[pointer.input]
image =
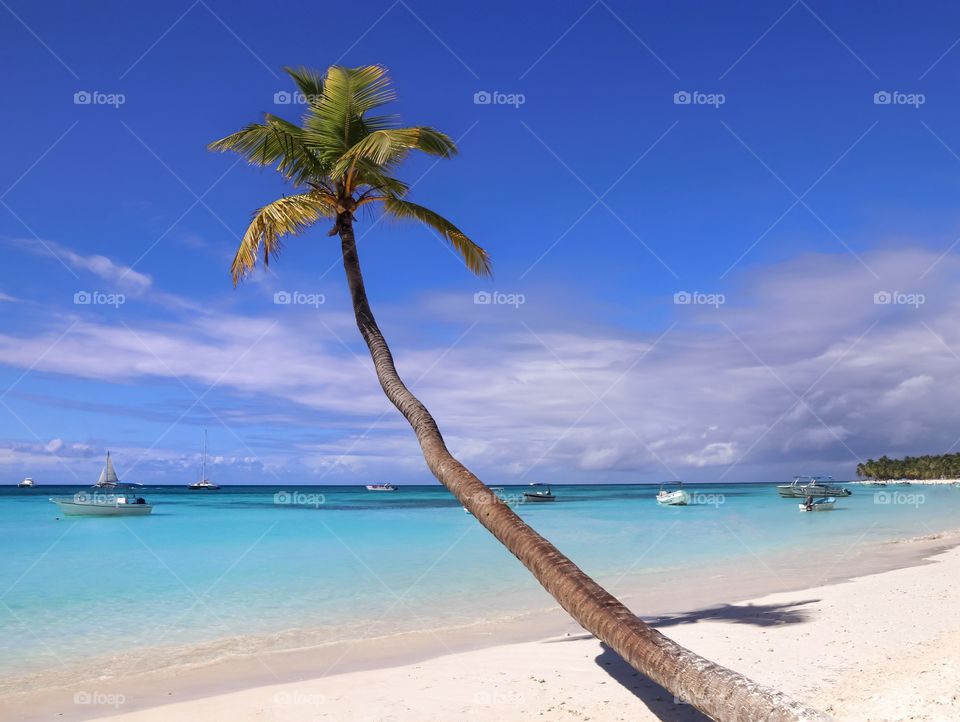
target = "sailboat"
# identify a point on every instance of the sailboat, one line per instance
(204, 484)
(115, 501)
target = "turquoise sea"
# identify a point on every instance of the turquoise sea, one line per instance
(296, 565)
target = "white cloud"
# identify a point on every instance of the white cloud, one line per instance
(719, 395)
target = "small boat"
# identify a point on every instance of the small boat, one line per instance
(381, 487)
(108, 497)
(678, 497)
(816, 486)
(874, 483)
(204, 484)
(542, 494)
(26, 483)
(811, 504)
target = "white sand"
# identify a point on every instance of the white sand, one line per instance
(881, 647)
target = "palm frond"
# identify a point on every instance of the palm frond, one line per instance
(336, 123)
(290, 215)
(476, 259)
(384, 146)
(275, 142)
(309, 81)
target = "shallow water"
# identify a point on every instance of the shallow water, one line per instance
(337, 563)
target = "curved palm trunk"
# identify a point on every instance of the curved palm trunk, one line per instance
(716, 691)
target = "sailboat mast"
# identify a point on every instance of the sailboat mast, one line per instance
(203, 464)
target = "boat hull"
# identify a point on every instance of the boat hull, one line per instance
(72, 508)
(673, 498)
(538, 497)
(789, 491)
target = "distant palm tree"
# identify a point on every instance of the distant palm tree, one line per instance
(344, 157)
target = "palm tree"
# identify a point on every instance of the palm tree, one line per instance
(343, 157)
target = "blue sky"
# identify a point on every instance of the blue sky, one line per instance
(783, 197)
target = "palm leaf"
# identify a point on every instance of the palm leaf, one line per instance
(290, 215)
(391, 145)
(276, 142)
(476, 259)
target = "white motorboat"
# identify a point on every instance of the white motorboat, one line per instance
(108, 497)
(816, 486)
(543, 493)
(26, 483)
(811, 504)
(678, 497)
(381, 487)
(204, 484)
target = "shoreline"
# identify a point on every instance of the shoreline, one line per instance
(239, 674)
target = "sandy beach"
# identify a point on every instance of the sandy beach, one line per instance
(883, 646)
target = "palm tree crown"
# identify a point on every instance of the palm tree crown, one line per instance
(343, 156)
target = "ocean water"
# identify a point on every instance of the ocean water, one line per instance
(302, 565)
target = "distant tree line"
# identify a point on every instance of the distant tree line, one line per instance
(943, 466)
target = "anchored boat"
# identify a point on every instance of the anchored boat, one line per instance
(544, 493)
(26, 483)
(816, 486)
(677, 497)
(108, 497)
(204, 484)
(811, 504)
(381, 487)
